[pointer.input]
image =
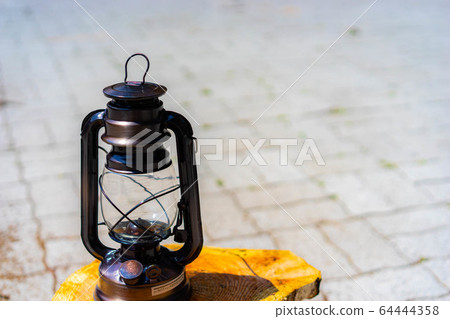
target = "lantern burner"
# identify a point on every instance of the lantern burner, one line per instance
(142, 230)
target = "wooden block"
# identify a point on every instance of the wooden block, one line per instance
(224, 274)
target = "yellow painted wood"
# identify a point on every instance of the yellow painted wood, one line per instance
(224, 274)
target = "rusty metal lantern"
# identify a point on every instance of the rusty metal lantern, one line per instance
(141, 198)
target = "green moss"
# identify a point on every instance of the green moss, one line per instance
(321, 183)
(353, 31)
(421, 161)
(304, 91)
(206, 126)
(271, 96)
(189, 75)
(302, 134)
(334, 197)
(422, 259)
(186, 103)
(387, 164)
(392, 93)
(168, 57)
(283, 118)
(118, 66)
(230, 74)
(337, 110)
(206, 91)
(76, 51)
(261, 81)
(219, 182)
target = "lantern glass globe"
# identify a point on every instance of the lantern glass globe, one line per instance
(139, 207)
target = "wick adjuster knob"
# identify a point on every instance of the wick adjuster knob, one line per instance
(153, 272)
(131, 271)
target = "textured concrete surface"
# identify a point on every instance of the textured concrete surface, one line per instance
(375, 219)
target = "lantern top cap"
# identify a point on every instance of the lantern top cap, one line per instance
(134, 90)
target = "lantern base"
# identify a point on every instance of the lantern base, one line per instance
(144, 294)
(171, 284)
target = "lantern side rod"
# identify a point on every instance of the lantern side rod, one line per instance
(188, 187)
(90, 128)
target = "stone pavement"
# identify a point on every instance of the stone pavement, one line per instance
(375, 219)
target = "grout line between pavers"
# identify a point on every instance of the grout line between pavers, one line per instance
(402, 210)
(402, 174)
(245, 236)
(296, 202)
(379, 270)
(39, 239)
(19, 277)
(447, 294)
(433, 181)
(419, 232)
(349, 219)
(436, 276)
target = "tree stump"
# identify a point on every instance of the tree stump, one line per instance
(224, 274)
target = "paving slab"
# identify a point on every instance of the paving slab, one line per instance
(374, 252)
(224, 219)
(390, 284)
(311, 244)
(286, 192)
(55, 195)
(36, 287)
(272, 218)
(64, 252)
(426, 244)
(411, 221)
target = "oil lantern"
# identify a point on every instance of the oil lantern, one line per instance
(142, 197)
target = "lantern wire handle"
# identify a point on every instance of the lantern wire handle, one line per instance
(146, 70)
